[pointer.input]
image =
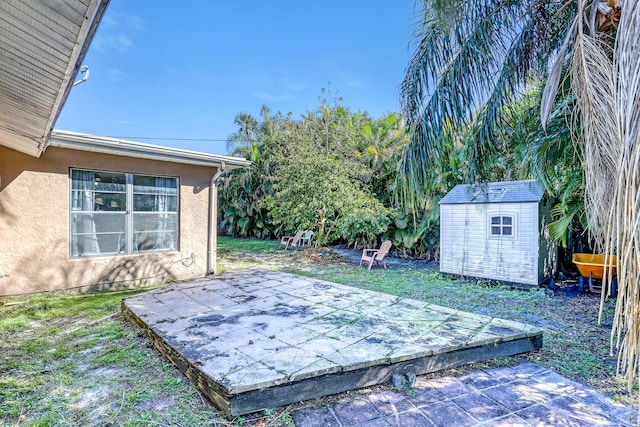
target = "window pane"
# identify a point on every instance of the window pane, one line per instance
(506, 231)
(82, 200)
(152, 241)
(110, 201)
(83, 244)
(97, 233)
(155, 203)
(506, 220)
(495, 230)
(94, 201)
(154, 185)
(155, 221)
(106, 181)
(82, 180)
(143, 202)
(97, 191)
(495, 220)
(109, 222)
(153, 231)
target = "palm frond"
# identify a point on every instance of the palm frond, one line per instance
(433, 89)
(560, 227)
(467, 68)
(553, 80)
(521, 61)
(593, 84)
(623, 228)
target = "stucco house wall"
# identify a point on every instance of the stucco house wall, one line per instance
(35, 221)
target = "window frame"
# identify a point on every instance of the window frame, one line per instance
(501, 225)
(128, 245)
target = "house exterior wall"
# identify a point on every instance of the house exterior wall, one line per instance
(35, 234)
(468, 249)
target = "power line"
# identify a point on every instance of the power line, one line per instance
(179, 139)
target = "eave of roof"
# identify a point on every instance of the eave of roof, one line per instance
(495, 192)
(119, 147)
(42, 44)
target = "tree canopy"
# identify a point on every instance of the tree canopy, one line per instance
(475, 57)
(330, 171)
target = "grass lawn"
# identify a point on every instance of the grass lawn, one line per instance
(73, 360)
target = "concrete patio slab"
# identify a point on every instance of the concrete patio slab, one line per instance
(256, 339)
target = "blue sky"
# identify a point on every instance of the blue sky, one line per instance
(168, 69)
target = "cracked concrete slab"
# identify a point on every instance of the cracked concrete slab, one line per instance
(255, 339)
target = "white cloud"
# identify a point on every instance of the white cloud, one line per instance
(349, 80)
(108, 22)
(118, 42)
(134, 23)
(117, 32)
(129, 22)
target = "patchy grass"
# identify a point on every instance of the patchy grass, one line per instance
(69, 360)
(73, 360)
(229, 245)
(234, 254)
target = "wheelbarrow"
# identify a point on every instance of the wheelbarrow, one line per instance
(592, 266)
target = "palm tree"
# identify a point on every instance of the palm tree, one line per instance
(473, 57)
(241, 140)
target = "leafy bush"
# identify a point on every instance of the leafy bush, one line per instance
(331, 171)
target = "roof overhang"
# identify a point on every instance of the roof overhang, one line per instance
(119, 147)
(42, 46)
(525, 191)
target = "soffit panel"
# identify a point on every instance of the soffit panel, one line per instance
(41, 45)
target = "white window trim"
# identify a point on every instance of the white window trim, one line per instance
(514, 224)
(128, 226)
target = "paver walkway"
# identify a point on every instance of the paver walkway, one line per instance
(524, 395)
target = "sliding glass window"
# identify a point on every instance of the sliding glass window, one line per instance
(120, 213)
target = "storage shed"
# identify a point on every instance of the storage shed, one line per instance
(497, 231)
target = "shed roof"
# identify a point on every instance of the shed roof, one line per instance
(121, 147)
(495, 192)
(42, 45)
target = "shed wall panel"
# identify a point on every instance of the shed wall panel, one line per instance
(468, 248)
